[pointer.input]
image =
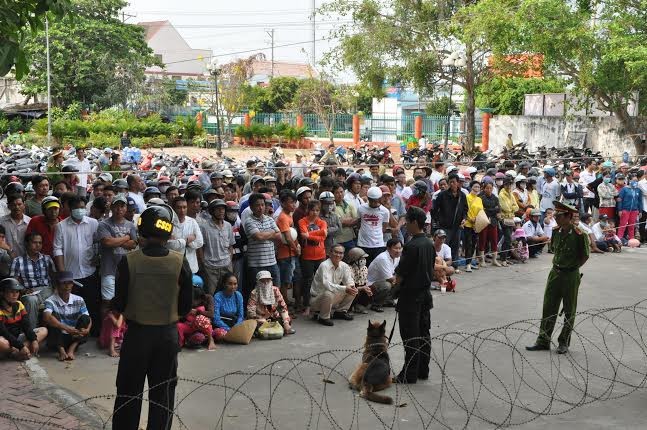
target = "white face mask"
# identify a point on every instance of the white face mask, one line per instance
(522, 186)
(499, 183)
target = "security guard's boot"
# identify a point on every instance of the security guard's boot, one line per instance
(538, 347)
(562, 349)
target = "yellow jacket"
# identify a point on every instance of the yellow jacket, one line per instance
(474, 206)
(508, 204)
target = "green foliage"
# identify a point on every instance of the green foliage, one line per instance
(439, 106)
(506, 95)
(600, 49)
(97, 59)
(188, 127)
(73, 111)
(267, 132)
(18, 20)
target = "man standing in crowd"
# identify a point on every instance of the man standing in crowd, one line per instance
(136, 187)
(450, 211)
(586, 177)
(83, 168)
(374, 220)
(74, 252)
(333, 289)
(214, 257)
(261, 231)
(153, 288)
(41, 189)
(15, 225)
(550, 191)
(116, 236)
(45, 224)
(413, 277)
(288, 249)
(571, 250)
(347, 214)
(187, 237)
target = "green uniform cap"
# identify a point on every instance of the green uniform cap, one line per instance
(564, 208)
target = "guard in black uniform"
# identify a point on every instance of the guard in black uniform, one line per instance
(413, 279)
(153, 287)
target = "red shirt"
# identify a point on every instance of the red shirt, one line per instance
(38, 224)
(314, 247)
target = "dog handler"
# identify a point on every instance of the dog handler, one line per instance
(153, 286)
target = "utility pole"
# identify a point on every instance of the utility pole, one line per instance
(271, 34)
(314, 33)
(125, 16)
(49, 86)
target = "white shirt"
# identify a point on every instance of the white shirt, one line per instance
(642, 185)
(585, 179)
(82, 166)
(298, 169)
(329, 278)
(532, 230)
(353, 199)
(422, 143)
(406, 193)
(371, 222)
(76, 243)
(139, 199)
(585, 228)
(15, 233)
(382, 268)
(445, 252)
(436, 176)
(181, 231)
(597, 231)
(548, 228)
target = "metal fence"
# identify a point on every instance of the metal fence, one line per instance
(378, 128)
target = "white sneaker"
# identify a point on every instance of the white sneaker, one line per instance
(468, 268)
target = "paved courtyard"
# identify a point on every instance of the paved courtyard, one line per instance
(481, 375)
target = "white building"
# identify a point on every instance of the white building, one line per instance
(180, 60)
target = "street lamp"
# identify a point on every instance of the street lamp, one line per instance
(453, 62)
(213, 69)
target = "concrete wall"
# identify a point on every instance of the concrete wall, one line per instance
(602, 134)
(180, 59)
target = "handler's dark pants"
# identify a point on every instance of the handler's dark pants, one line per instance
(91, 294)
(562, 286)
(415, 327)
(147, 352)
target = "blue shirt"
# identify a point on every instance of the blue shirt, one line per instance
(227, 305)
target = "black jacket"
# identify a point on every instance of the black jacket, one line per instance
(416, 270)
(450, 210)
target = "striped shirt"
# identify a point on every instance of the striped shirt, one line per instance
(260, 253)
(68, 312)
(33, 273)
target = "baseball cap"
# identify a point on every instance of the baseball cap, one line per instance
(67, 276)
(263, 274)
(440, 233)
(298, 154)
(120, 198)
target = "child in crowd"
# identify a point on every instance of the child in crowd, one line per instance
(519, 242)
(113, 330)
(549, 225)
(611, 238)
(194, 330)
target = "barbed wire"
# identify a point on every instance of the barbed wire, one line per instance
(483, 379)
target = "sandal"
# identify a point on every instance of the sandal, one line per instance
(291, 331)
(377, 308)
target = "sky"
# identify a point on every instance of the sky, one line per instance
(227, 27)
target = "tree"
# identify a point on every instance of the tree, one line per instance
(440, 106)
(320, 97)
(96, 60)
(404, 42)
(600, 48)
(18, 19)
(505, 95)
(232, 80)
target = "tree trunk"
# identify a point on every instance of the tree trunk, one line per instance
(631, 129)
(470, 108)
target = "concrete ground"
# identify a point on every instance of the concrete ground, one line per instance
(481, 375)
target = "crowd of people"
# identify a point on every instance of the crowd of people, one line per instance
(279, 244)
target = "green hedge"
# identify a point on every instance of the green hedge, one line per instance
(261, 131)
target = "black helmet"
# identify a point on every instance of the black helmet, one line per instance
(306, 182)
(14, 188)
(155, 221)
(10, 284)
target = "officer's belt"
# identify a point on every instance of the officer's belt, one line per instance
(565, 269)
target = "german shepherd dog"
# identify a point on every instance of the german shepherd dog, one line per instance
(374, 372)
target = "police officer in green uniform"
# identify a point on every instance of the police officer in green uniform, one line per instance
(571, 250)
(153, 288)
